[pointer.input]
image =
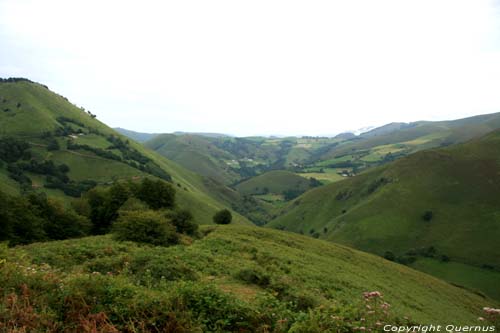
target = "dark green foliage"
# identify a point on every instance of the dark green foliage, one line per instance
(64, 120)
(444, 258)
(254, 276)
(406, 259)
(46, 167)
(34, 218)
(104, 206)
(223, 216)
(292, 194)
(71, 188)
(183, 221)
(14, 79)
(59, 222)
(16, 173)
(313, 182)
(343, 195)
(156, 193)
(53, 145)
(19, 223)
(155, 170)
(98, 151)
(427, 216)
(389, 256)
(12, 150)
(145, 227)
(373, 186)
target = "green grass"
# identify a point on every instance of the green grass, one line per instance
(462, 275)
(459, 184)
(264, 275)
(327, 177)
(274, 181)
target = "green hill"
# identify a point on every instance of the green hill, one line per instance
(440, 204)
(137, 136)
(58, 133)
(275, 182)
(245, 279)
(197, 153)
(400, 139)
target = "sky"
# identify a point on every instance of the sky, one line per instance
(259, 67)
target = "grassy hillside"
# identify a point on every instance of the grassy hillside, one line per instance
(275, 182)
(137, 136)
(440, 203)
(196, 153)
(405, 138)
(61, 133)
(233, 279)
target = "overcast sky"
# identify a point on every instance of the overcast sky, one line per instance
(259, 67)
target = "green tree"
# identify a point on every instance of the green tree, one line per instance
(104, 206)
(223, 216)
(156, 193)
(59, 222)
(53, 145)
(145, 227)
(183, 221)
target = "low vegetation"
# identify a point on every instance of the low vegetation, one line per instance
(234, 278)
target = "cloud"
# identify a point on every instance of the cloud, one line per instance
(259, 67)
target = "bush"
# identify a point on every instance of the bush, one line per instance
(156, 193)
(223, 216)
(427, 216)
(104, 206)
(183, 221)
(389, 256)
(254, 276)
(53, 145)
(145, 227)
(59, 222)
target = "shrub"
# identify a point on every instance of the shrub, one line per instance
(389, 256)
(145, 227)
(254, 276)
(156, 193)
(53, 145)
(183, 221)
(444, 258)
(223, 216)
(427, 216)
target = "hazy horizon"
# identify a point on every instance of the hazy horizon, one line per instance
(282, 68)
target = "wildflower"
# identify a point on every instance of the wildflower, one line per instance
(372, 294)
(385, 306)
(480, 319)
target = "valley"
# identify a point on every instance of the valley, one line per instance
(119, 225)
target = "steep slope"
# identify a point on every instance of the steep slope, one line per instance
(197, 153)
(57, 132)
(440, 203)
(233, 279)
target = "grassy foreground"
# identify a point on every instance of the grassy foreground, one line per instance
(233, 278)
